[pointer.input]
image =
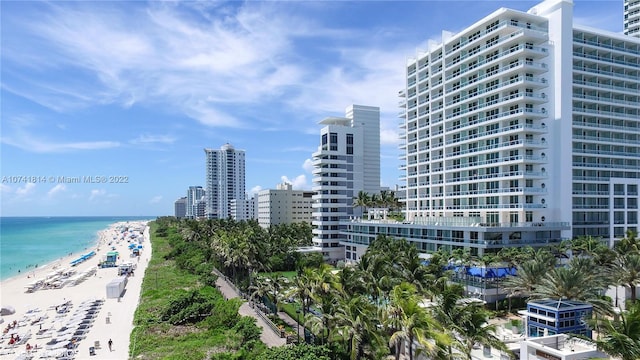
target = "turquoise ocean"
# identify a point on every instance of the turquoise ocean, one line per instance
(27, 243)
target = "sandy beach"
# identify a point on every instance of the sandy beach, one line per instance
(72, 305)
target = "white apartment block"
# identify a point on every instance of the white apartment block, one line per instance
(225, 180)
(632, 17)
(522, 129)
(284, 206)
(194, 195)
(242, 209)
(346, 162)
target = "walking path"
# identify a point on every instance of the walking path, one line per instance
(268, 336)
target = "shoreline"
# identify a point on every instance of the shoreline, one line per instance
(65, 259)
(36, 313)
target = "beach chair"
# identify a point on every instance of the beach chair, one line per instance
(96, 344)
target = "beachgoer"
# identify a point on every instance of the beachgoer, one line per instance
(110, 342)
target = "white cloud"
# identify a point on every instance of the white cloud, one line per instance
(156, 199)
(97, 193)
(160, 54)
(56, 189)
(254, 190)
(153, 139)
(27, 189)
(5, 189)
(22, 139)
(389, 137)
(206, 61)
(308, 166)
(298, 183)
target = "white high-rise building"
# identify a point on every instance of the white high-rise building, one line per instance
(225, 180)
(347, 161)
(632, 17)
(522, 129)
(284, 205)
(194, 194)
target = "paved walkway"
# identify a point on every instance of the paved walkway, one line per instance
(268, 336)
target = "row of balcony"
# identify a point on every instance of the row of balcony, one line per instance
(604, 166)
(606, 99)
(608, 113)
(603, 139)
(604, 72)
(602, 125)
(607, 46)
(605, 59)
(632, 89)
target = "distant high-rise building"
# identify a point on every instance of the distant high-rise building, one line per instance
(632, 17)
(225, 180)
(194, 195)
(284, 205)
(347, 162)
(180, 207)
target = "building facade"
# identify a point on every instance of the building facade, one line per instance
(632, 17)
(180, 208)
(195, 194)
(242, 209)
(521, 129)
(347, 161)
(284, 205)
(225, 180)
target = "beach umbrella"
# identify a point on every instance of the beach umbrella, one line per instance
(7, 310)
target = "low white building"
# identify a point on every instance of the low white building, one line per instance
(284, 206)
(559, 347)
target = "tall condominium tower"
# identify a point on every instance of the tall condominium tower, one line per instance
(347, 161)
(522, 129)
(194, 194)
(632, 17)
(225, 180)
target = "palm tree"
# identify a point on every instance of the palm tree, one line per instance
(362, 200)
(622, 337)
(466, 322)
(580, 281)
(353, 320)
(413, 322)
(472, 328)
(325, 291)
(530, 273)
(626, 269)
(629, 243)
(303, 289)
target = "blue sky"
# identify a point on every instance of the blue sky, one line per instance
(136, 90)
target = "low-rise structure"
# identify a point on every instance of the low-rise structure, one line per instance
(284, 205)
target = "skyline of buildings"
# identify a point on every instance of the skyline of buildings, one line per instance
(521, 129)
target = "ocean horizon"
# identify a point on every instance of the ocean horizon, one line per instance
(29, 243)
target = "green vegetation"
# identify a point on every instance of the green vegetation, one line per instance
(366, 311)
(180, 316)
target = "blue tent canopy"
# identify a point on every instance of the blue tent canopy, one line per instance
(498, 272)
